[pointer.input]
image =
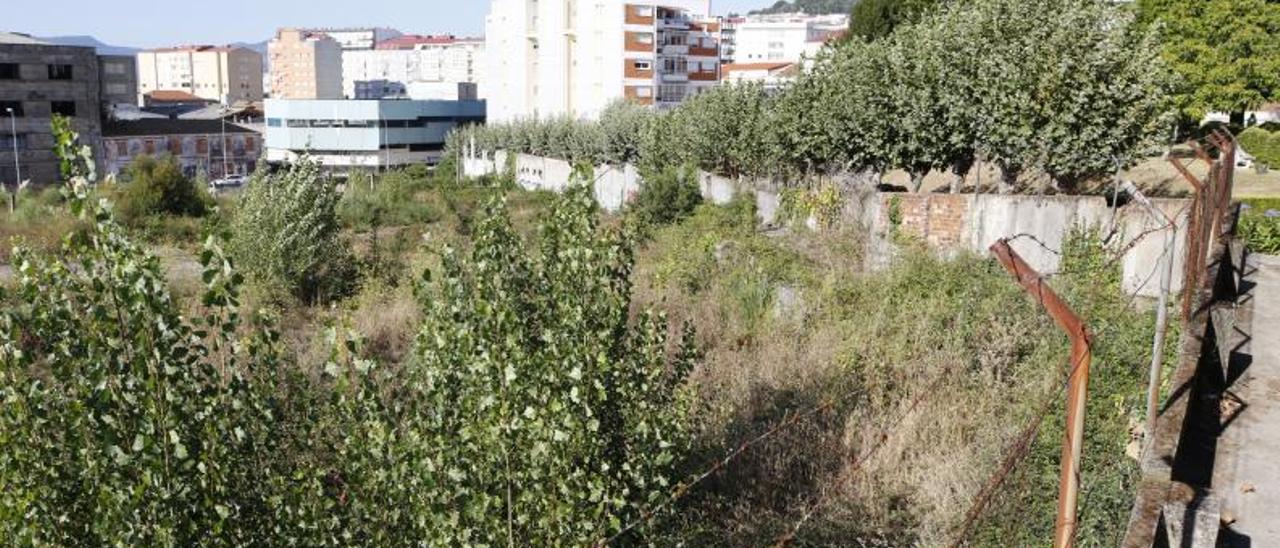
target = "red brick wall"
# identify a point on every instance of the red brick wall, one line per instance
(937, 219)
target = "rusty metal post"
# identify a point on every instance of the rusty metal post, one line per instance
(1077, 387)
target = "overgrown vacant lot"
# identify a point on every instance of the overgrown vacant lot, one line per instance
(879, 402)
(928, 372)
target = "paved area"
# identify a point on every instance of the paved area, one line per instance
(1247, 475)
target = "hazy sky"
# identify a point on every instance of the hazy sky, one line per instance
(151, 23)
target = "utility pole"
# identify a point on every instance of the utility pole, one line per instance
(17, 166)
(1162, 309)
(222, 111)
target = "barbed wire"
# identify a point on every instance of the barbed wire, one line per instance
(683, 488)
(885, 434)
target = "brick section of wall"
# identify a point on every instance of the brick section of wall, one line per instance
(635, 18)
(937, 219)
(634, 43)
(630, 70)
(632, 94)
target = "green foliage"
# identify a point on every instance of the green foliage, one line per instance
(143, 428)
(549, 418)
(720, 129)
(1225, 52)
(812, 7)
(156, 186)
(1263, 145)
(1120, 340)
(1259, 225)
(286, 234)
(666, 197)
(622, 124)
(393, 200)
(875, 19)
(74, 159)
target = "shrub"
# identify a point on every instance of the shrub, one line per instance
(286, 235)
(156, 186)
(394, 200)
(142, 428)
(1260, 225)
(666, 197)
(1263, 145)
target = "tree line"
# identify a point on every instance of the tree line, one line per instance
(1072, 89)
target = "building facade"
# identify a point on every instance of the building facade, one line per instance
(223, 74)
(211, 147)
(118, 82)
(409, 59)
(574, 57)
(38, 80)
(350, 134)
(305, 65)
(357, 38)
(779, 38)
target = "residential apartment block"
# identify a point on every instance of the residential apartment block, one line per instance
(574, 57)
(305, 65)
(357, 38)
(396, 65)
(38, 80)
(779, 38)
(349, 134)
(118, 81)
(223, 74)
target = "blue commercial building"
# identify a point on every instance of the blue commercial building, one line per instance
(378, 134)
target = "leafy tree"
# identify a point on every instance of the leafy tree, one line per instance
(1224, 51)
(143, 428)
(548, 416)
(155, 186)
(286, 234)
(875, 19)
(812, 7)
(723, 127)
(622, 124)
(666, 197)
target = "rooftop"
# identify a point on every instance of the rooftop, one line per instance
(164, 126)
(191, 47)
(742, 67)
(175, 96)
(408, 41)
(20, 38)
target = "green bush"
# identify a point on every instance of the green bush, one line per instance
(395, 199)
(286, 235)
(666, 197)
(1263, 145)
(1259, 229)
(157, 186)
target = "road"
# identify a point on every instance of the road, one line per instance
(1247, 474)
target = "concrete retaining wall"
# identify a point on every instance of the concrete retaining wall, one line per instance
(1037, 225)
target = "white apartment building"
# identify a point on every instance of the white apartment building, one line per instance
(407, 60)
(305, 65)
(573, 57)
(357, 38)
(780, 37)
(223, 74)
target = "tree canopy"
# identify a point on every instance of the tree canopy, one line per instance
(873, 19)
(812, 7)
(1226, 53)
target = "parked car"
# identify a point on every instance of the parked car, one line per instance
(230, 181)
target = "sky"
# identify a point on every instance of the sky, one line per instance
(152, 23)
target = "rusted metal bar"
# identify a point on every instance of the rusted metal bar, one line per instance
(1186, 174)
(1077, 386)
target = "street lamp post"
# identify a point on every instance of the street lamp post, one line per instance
(222, 111)
(17, 167)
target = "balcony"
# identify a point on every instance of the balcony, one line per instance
(677, 77)
(674, 49)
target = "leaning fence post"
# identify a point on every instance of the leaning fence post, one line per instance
(1077, 387)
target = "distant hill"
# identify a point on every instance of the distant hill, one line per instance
(811, 7)
(89, 41)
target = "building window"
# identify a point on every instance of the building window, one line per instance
(10, 71)
(274, 122)
(59, 72)
(122, 148)
(644, 65)
(7, 142)
(65, 108)
(644, 38)
(15, 106)
(644, 11)
(117, 89)
(644, 92)
(113, 68)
